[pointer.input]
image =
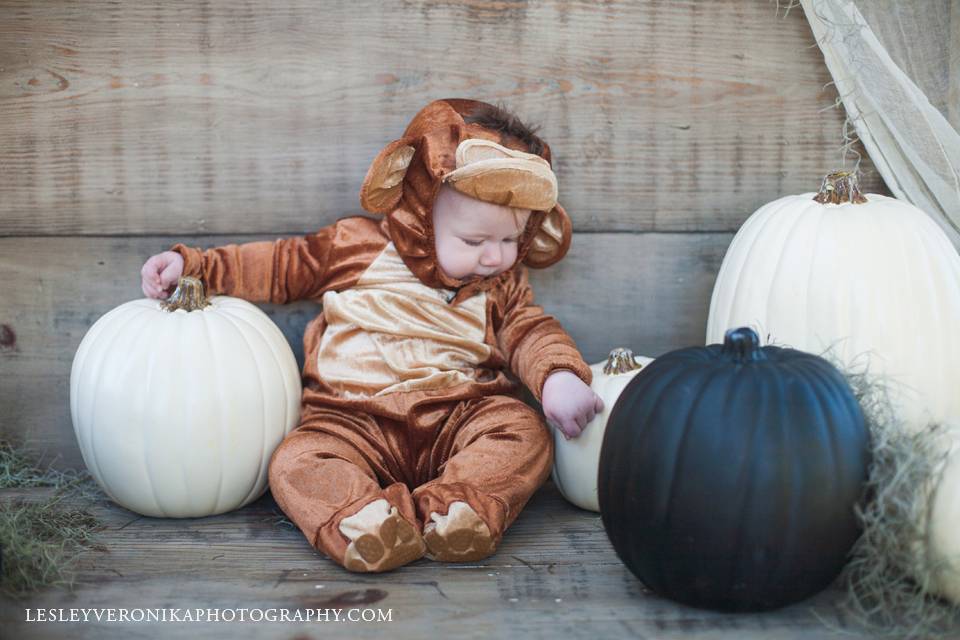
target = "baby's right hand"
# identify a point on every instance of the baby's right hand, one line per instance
(160, 273)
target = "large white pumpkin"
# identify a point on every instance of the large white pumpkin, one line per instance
(177, 412)
(872, 278)
(577, 461)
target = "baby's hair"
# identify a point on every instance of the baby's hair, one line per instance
(499, 118)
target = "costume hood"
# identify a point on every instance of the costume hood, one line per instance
(441, 146)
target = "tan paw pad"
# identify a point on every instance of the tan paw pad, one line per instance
(459, 536)
(380, 539)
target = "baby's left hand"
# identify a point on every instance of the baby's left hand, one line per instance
(569, 403)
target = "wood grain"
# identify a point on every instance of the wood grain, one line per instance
(554, 575)
(186, 117)
(127, 126)
(654, 297)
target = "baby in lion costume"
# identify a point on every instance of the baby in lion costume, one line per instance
(412, 438)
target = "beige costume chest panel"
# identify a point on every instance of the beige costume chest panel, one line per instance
(391, 333)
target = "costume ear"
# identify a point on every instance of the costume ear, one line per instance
(383, 185)
(551, 241)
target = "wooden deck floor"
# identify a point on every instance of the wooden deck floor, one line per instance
(554, 576)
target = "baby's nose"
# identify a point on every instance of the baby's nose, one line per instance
(491, 255)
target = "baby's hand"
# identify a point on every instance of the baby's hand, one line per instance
(160, 273)
(569, 403)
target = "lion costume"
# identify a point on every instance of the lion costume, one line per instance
(412, 438)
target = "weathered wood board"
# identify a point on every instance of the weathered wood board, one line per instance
(191, 117)
(554, 576)
(128, 126)
(54, 301)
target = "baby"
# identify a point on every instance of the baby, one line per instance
(412, 439)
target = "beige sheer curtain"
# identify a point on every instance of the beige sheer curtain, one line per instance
(896, 66)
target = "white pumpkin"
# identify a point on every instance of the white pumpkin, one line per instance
(872, 278)
(943, 519)
(576, 461)
(178, 411)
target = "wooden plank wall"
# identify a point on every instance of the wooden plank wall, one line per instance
(126, 126)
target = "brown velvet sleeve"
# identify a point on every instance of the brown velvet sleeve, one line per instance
(286, 269)
(534, 343)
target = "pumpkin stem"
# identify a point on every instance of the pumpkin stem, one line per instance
(840, 187)
(620, 361)
(188, 296)
(742, 345)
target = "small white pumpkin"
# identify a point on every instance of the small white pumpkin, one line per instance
(943, 519)
(909, 548)
(177, 406)
(868, 277)
(576, 461)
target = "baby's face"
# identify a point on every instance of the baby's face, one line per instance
(473, 237)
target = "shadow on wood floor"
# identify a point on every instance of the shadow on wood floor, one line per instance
(555, 575)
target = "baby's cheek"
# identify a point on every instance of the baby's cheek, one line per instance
(510, 254)
(451, 259)
(460, 263)
(466, 265)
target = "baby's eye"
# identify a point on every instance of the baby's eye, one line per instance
(509, 239)
(473, 243)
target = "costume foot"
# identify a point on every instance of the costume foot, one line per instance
(380, 539)
(459, 536)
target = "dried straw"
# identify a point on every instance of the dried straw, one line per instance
(889, 577)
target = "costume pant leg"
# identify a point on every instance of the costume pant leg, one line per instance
(493, 454)
(330, 467)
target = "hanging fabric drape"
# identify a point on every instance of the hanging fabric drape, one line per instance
(896, 66)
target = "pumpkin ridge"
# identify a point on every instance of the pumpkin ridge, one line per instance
(749, 469)
(937, 269)
(78, 364)
(151, 358)
(231, 318)
(814, 393)
(659, 399)
(778, 396)
(813, 253)
(642, 435)
(906, 322)
(816, 371)
(786, 486)
(932, 272)
(723, 316)
(801, 218)
(706, 377)
(752, 256)
(616, 518)
(224, 433)
(836, 431)
(246, 310)
(833, 427)
(99, 380)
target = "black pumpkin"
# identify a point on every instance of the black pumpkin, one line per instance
(729, 473)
